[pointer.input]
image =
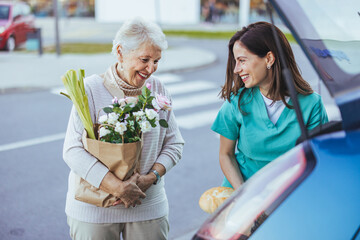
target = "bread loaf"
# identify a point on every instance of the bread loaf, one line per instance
(211, 199)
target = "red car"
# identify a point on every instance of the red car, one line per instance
(16, 21)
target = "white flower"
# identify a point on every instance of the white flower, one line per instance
(121, 102)
(113, 118)
(103, 118)
(131, 100)
(139, 113)
(145, 126)
(104, 132)
(150, 113)
(120, 128)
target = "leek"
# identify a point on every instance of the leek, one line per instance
(76, 93)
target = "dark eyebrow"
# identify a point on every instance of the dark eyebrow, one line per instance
(241, 57)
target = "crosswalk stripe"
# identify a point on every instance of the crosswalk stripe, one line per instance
(198, 119)
(196, 100)
(32, 142)
(169, 78)
(187, 87)
(166, 78)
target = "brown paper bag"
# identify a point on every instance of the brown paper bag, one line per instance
(121, 159)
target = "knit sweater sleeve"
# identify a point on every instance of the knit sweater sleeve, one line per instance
(172, 148)
(76, 157)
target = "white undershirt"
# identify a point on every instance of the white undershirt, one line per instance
(274, 110)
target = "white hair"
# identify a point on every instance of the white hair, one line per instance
(137, 31)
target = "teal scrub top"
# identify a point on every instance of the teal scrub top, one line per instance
(259, 141)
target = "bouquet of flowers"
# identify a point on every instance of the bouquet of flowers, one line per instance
(126, 119)
(116, 139)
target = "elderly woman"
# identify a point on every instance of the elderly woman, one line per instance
(142, 209)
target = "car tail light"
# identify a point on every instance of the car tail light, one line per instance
(250, 205)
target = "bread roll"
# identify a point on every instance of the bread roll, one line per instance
(211, 199)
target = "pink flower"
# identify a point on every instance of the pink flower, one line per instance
(161, 102)
(115, 100)
(148, 85)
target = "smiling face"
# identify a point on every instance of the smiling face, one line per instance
(139, 64)
(251, 68)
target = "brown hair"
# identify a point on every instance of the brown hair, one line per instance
(258, 39)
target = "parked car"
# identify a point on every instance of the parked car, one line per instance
(16, 21)
(312, 191)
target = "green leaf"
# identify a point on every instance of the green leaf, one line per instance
(147, 91)
(163, 123)
(107, 109)
(117, 110)
(127, 109)
(152, 123)
(142, 98)
(143, 91)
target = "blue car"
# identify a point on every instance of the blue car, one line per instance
(312, 191)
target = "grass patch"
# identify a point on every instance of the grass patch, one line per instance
(81, 48)
(200, 34)
(211, 35)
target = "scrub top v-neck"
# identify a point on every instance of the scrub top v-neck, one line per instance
(259, 140)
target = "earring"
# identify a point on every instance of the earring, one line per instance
(268, 67)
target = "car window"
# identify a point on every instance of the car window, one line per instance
(341, 40)
(330, 37)
(4, 12)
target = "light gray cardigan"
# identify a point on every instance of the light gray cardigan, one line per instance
(161, 145)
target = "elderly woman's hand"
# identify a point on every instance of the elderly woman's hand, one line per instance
(127, 191)
(130, 192)
(144, 182)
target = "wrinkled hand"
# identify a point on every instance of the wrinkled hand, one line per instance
(130, 194)
(144, 182)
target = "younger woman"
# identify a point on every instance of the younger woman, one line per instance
(257, 122)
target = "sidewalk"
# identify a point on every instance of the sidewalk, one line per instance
(26, 71)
